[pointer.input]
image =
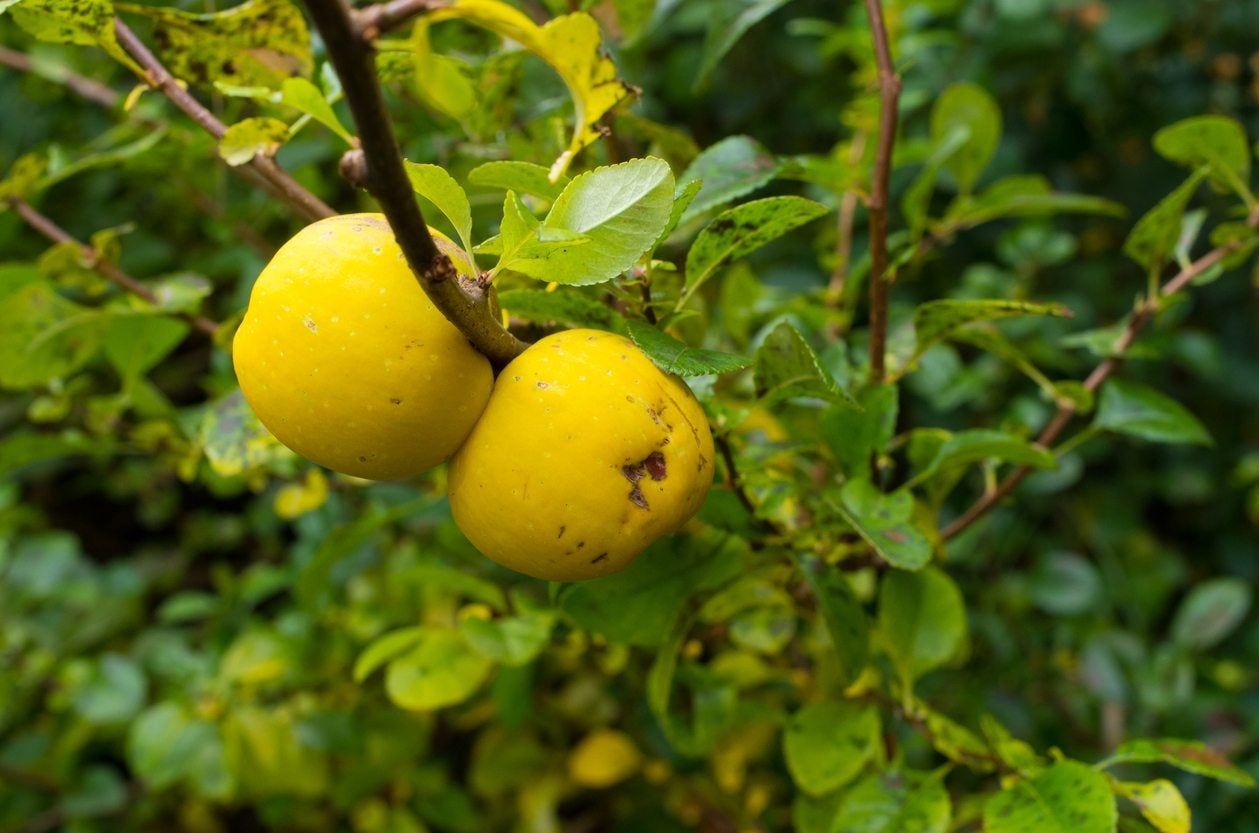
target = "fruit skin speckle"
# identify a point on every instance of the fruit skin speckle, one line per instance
(571, 472)
(346, 361)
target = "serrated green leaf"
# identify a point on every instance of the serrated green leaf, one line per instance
(1155, 236)
(846, 621)
(522, 177)
(735, 166)
(620, 209)
(730, 22)
(787, 367)
(44, 336)
(512, 640)
(134, 344)
(1131, 408)
(1069, 797)
(562, 306)
(440, 188)
(302, 95)
(936, 321)
(885, 522)
(1023, 195)
(966, 448)
(742, 230)
(385, 648)
(673, 356)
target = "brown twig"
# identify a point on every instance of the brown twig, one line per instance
(734, 480)
(57, 234)
(373, 21)
(377, 166)
(263, 170)
(889, 98)
(88, 88)
(1141, 317)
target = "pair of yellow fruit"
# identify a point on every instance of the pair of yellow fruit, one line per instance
(566, 467)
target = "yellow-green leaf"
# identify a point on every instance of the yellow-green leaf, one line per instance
(571, 45)
(1160, 802)
(252, 137)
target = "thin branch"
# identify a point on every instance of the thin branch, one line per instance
(734, 480)
(378, 168)
(57, 234)
(261, 169)
(88, 88)
(889, 98)
(843, 231)
(1141, 317)
(373, 21)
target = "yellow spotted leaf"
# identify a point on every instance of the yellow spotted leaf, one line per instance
(603, 758)
(1160, 802)
(570, 44)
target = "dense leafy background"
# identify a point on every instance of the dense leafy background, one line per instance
(185, 608)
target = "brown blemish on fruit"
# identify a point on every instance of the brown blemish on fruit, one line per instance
(562, 530)
(310, 324)
(542, 385)
(362, 459)
(600, 557)
(653, 466)
(395, 400)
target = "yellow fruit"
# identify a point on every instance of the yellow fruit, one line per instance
(586, 454)
(346, 361)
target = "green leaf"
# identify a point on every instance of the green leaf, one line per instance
(1024, 196)
(523, 245)
(98, 791)
(1155, 236)
(522, 177)
(672, 356)
(302, 95)
(134, 344)
(165, 744)
(60, 169)
(742, 230)
(787, 367)
(569, 44)
(43, 336)
(936, 321)
(1189, 755)
(252, 137)
(846, 620)
(854, 435)
(885, 522)
(1137, 410)
(385, 648)
(639, 605)
(440, 671)
(82, 22)
(1160, 802)
(971, 108)
(20, 449)
(731, 20)
(621, 210)
(440, 188)
(258, 43)
(512, 640)
(827, 744)
(966, 448)
(1218, 142)
(1211, 611)
(896, 801)
(114, 692)
(922, 621)
(1065, 584)
(269, 756)
(683, 196)
(567, 307)
(735, 166)
(917, 200)
(1068, 797)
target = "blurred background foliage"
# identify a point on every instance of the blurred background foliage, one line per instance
(183, 603)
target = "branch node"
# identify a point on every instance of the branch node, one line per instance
(353, 167)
